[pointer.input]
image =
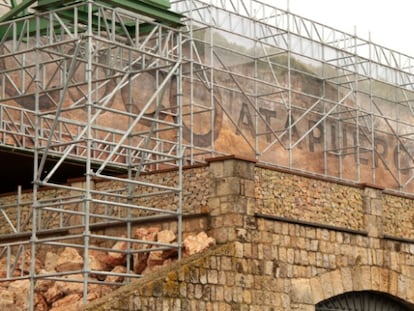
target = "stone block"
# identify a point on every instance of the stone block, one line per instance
(410, 291)
(248, 188)
(317, 290)
(214, 204)
(372, 225)
(337, 282)
(301, 291)
(376, 207)
(361, 275)
(212, 277)
(347, 281)
(227, 186)
(226, 263)
(403, 286)
(375, 278)
(327, 285)
(247, 297)
(239, 168)
(371, 193)
(217, 168)
(238, 250)
(384, 280)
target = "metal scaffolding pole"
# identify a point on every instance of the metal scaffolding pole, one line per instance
(77, 65)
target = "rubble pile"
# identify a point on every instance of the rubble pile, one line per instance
(108, 270)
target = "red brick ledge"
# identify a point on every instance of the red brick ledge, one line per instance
(230, 157)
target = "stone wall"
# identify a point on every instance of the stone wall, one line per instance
(284, 267)
(273, 192)
(195, 197)
(306, 198)
(276, 254)
(398, 215)
(286, 242)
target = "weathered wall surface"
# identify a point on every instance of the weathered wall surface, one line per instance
(286, 241)
(310, 199)
(195, 198)
(398, 216)
(285, 267)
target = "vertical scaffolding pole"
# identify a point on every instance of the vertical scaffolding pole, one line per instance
(88, 168)
(36, 172)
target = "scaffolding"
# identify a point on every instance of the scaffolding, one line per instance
(68, 79)
(293, 93)
(118, 89)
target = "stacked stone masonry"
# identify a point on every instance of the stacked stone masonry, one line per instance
(285, 267)
(195, 198)
(310, 199)
(290, 241)
(286, 241)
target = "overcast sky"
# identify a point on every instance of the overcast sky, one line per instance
(391, 23)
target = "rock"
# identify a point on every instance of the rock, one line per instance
(24, 263)
(69, 260)
(140, 262)
(166, 236)
(43, 285)
(53, 294)
(75, 286)
(40, 303)
(51, 261)
(7, 299)
(67, 295)
(67, 303)
(157, 257)
(140, 259)
(116, 278)
(21, 289)
(197, 244)
(96, 262)
(97, 290)
(116, 258)
(146, 234)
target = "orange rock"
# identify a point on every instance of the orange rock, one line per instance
(7, 299)
(158, 257)
(140, 259)
(146, 234)
(67, 303)
(166, 236)
(53, 294)
(116, 278)
(117, 258)
(51, 261)
(75, 286)
(197, 244)
(21, 289)
(24, 262)
(97, 290)
(40, 303)
(43, 285)
(69, 260)
(140, 262)
(97, 262)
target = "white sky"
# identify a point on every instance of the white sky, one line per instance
(391, 23)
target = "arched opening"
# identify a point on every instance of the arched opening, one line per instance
(363, 301)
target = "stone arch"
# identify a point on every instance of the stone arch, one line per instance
(363, 301)
(350, 279)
